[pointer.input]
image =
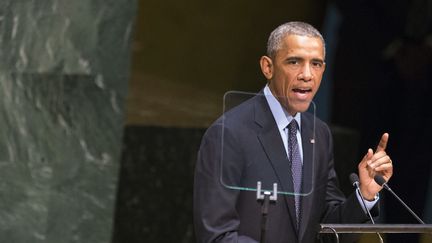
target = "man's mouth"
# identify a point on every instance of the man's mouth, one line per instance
(302, 90)
(302, 94)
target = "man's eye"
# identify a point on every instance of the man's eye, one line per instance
(317, 64)
(293, 62)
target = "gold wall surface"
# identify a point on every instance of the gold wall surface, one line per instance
(187, 54)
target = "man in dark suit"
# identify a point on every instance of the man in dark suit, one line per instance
(271, 138)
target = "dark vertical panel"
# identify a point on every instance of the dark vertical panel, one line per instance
(154, 201)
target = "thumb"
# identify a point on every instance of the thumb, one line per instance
(369, 154)
(367, 157)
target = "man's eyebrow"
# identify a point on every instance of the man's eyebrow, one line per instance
(317, 60)
(294, 58)
(297, 58)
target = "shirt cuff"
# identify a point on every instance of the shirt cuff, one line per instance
(369, 204)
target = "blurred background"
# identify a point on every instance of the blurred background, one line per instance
(103, 105)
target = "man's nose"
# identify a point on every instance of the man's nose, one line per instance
(306, 73)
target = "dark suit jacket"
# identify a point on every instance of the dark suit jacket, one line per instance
(244, 146)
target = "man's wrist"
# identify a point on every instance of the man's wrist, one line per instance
(374, 198)
(368, 196)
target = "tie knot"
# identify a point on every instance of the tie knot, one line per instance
(293, 126)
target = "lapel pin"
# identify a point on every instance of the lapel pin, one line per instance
(312, 140)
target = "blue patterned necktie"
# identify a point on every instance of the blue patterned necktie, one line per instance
(296, 165)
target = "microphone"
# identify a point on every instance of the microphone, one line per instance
(355, 182)
(382, 182)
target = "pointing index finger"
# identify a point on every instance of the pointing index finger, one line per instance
(382, 143)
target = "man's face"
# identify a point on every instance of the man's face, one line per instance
(295, 73)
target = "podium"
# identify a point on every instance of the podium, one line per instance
(337, 229)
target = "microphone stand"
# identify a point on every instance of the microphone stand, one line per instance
(402, 202)
(406, 206)
(355, 181)
(368, 212)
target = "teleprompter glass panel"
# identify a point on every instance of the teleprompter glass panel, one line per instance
(254, 148)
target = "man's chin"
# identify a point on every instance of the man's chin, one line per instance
(299, 107)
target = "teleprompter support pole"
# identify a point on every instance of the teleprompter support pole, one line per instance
(265, 197)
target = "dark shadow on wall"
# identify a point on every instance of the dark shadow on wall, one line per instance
(154, 201)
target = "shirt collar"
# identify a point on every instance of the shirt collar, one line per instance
(280, 114)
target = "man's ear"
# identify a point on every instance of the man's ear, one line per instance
(266, 67)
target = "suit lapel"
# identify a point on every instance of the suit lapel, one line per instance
(273, 146)
(308, 141)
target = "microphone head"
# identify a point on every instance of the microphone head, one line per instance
(379, 180)
(354, 178)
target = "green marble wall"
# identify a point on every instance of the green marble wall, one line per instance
(64, 68)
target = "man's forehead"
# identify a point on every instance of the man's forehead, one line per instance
(297, 42)
(288, 37)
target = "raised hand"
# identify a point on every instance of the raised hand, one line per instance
(373, 163)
